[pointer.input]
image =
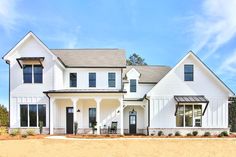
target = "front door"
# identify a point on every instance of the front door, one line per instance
(69, 120)
(132, 122)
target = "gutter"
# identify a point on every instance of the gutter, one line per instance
(9, 90)
(145, 97)
(49, 111)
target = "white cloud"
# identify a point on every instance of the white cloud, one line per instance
(229, 65)
(9, 15)
(215, 26)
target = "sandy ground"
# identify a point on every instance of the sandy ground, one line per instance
(118, 148)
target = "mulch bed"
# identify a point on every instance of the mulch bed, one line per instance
(19, 137)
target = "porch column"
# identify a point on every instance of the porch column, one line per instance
(121, 117)
(98, 100)
(74, 103)
(52, 100)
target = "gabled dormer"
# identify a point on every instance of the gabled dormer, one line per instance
(133, 78)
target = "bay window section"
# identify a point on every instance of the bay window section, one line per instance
(189, 116)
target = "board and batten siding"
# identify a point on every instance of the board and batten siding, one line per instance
(162, 103)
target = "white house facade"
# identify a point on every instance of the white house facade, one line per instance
(95, 89)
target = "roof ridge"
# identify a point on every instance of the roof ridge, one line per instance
(85, 49)
(150, 66)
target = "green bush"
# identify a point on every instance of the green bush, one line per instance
(160, 133)
(30, 132)
(40, 127)
(170, 134)
(195, 133)
(207, 134)
(189, 134)
(4, 116)
(15, 132)
(24, 135)
(177, 133)
(225, 133)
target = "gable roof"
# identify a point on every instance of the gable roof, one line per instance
(27, 36)
(190, 53)
(91, 57)
(151, 74)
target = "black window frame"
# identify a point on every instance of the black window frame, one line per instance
(111, 80)
(32, 115)
(92, 79)
(133, 87)
(42, 110)
(73, 84)
(24, 123)
(27, 74)
(187, 73)
(38, 75)
(92, 113)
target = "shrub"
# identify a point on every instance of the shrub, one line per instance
(221, 135)
(177, 133)
(170, 134)
(189, 134)
(207, 134)
(15, 132)
(75, 127)
(225, 133)
(30, 132)
(160, 133)
(195, 133)
(24, 135)
(40, 127)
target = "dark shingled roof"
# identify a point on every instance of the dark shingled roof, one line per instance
(91, 57)
(149, 73)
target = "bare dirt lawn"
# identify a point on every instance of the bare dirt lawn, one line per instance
(118, 148)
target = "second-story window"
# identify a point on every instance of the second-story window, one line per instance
(73, 79)
(92, 79)
(188, 72)
(111, 79)
(133, 85)
(32, 74)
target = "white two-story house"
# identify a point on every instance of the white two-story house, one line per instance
(95, 89)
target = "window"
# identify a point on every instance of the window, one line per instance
(92, 79)
(133, 86)
(188, 72)
(92, 117)
(42, 114)
(27, 72)
(38, 74)
(33, 73)
(189, 116)
(111, 79)
(32, 114)
(73, 79)
(23, 115)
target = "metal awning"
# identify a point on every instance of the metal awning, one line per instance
(185, 99)
(20, 60)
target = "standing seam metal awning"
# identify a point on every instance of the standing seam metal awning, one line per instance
(39, 59)
(191, 99)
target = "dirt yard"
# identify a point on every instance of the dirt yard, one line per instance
(118, 148)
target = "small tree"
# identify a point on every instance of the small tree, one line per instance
(3, 116)
(135, 59)
(232, 116)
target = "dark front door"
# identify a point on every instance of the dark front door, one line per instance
(132, 122)
(69, 120)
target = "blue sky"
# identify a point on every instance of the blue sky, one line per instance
(161, 31)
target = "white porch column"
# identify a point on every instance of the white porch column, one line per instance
(74, 103)
(121, 117)
(52, 100)
(98, 100)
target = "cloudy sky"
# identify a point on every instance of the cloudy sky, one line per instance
(161, 31)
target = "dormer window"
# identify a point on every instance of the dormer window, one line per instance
(133, 85)
(32, 74)
(188, 72)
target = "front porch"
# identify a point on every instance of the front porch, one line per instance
(86, 110)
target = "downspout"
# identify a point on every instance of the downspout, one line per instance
(145, 97)
(9, 92)
(49, 111)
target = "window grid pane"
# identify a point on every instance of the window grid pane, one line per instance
(197, 115)
(188, 72)
(42, 114)
(24, 115)
(111, 79)
(180, 116)
(92, 79)
(73, 79)
(38, 74)
(27, 73)
(132, 85)
(92, 116)
(33, 115)
(188, 115)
